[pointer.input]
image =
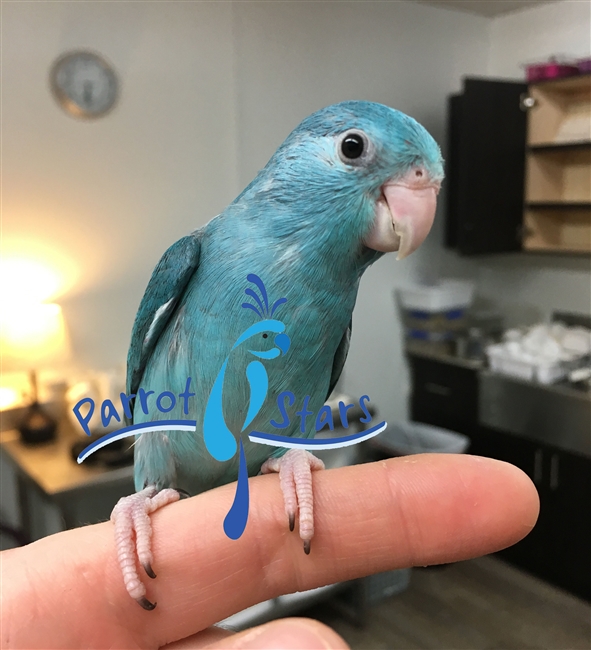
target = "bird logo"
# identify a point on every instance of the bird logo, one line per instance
(219, 440)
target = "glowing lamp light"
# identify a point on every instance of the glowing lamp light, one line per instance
(8, 397)
(32, 329)
(26, 281)
(33, 335)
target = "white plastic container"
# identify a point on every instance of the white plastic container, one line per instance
(444, 296)
(500, 361)
(546, 372)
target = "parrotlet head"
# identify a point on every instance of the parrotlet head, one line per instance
(375, 170)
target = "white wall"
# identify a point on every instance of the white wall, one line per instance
(110, 195)
(560, 28)
(293, 58)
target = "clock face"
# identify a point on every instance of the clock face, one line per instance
(84, 84)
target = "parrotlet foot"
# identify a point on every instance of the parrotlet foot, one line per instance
(295, 477)
(133, 537)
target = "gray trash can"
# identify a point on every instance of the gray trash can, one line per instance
(406, 438)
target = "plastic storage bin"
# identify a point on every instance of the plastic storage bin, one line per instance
(442, 297)
(402, 439)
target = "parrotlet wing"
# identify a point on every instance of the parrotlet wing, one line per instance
(165, 289)
(339, 358)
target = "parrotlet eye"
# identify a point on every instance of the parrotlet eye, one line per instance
(265, 336)
(355, 148)
(352, 146)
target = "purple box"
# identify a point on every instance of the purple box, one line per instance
(550, 70)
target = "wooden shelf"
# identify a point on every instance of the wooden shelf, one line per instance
(558, 205)
(552, 147)
(561, 112)
(557, 230)
(566, 85)
(559, 176)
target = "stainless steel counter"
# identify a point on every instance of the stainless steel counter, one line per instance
(470, 364)
(553, 414)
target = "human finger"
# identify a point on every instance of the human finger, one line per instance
(416, 510)
(283, 634)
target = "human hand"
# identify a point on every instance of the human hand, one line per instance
(66, 590)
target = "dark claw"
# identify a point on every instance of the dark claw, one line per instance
(149, 570)
(145, 603)
(307, 547)
(291, 522)
(183, 493)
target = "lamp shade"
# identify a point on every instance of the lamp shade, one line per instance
(32, 336)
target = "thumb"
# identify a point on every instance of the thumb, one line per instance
(284, 634)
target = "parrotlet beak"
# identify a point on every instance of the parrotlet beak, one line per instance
(404, 213)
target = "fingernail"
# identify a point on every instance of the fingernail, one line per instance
(289, 635)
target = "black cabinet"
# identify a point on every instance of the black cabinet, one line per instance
(534, 552)
(567, 493)
(519, 180)
(444, 395)
(485, 167)
(558, 549)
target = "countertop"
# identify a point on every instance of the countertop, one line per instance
(555, 414)
(51, 467)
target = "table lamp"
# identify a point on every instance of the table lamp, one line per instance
(33, 337)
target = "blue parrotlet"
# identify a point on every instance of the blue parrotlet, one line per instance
(353, 181)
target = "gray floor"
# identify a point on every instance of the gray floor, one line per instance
(476, 605)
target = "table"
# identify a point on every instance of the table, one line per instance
(48, 470)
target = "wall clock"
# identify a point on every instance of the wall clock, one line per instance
(84, 84)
